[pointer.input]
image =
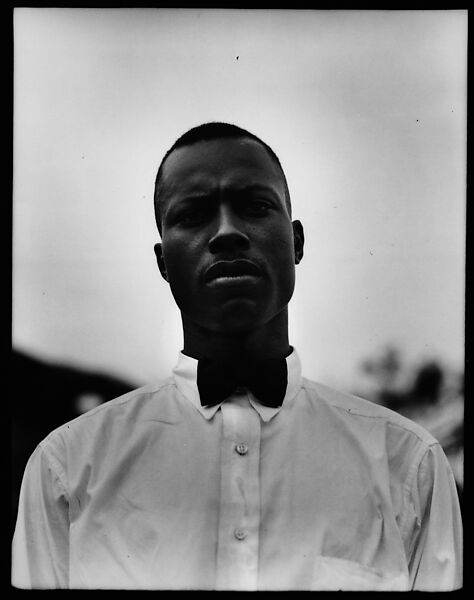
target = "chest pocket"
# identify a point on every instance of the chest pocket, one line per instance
(335, 574)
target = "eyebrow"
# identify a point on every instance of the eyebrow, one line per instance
(257, 187)
(206, 195)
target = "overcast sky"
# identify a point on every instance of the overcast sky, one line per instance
(367, 112)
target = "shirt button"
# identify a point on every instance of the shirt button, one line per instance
(240, 534)
(242, 449)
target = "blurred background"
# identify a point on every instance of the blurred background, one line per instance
(367, 112)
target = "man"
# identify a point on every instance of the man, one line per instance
(236, 473)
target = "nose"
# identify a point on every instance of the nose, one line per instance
(230, 235)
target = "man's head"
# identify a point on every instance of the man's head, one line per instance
(211, 131)
(229, 246)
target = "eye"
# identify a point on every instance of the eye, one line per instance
(257, 206)
(191, 217)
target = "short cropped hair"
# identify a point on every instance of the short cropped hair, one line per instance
(212, 131)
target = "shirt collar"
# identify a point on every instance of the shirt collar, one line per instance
(185, 376)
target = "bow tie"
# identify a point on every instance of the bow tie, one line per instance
(266, 379)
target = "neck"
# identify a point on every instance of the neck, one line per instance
(268, 341)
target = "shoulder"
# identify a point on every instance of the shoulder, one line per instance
(353, 408)
(119, 414)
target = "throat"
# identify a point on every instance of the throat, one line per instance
(241, 350)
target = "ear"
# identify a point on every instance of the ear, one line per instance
(298, 237)
(160, 260)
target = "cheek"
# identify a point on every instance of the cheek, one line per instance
(178, 253)
(281, 249)
(179, 267)
(283, 259)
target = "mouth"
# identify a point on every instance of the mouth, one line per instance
(231, 272)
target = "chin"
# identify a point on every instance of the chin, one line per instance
(240, 318)
(236, 328)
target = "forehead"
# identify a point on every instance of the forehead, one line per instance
(220, 164)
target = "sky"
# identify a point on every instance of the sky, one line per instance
(366, 111)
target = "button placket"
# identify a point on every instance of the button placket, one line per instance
(237, 561)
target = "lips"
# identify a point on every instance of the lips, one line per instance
(231, 270)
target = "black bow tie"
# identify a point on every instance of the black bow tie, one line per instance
(267, 380)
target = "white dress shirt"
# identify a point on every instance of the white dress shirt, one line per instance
(153, 491)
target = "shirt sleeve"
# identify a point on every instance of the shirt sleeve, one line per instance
(40, 552)
(435, 557)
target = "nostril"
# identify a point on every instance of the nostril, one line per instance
(228, 240)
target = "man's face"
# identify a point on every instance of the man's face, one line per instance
(228, 244)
